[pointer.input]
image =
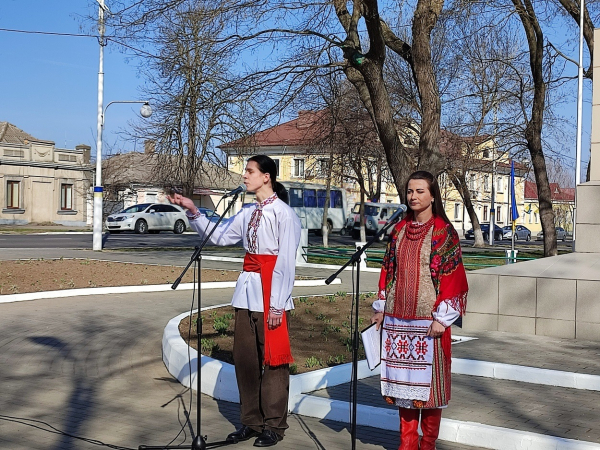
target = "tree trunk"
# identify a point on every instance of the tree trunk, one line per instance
(460, 183)
(533, 131)
(324, 227)
(363, 233)
(425, 17)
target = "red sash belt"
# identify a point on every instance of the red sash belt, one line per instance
(277, 341)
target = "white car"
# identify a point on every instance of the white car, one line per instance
(148, 218)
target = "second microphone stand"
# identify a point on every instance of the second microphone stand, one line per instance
(199, 442)
(354, 260)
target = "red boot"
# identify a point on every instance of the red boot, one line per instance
(430, 426)
(409, 423)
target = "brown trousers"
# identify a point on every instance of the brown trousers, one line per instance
(263, 393)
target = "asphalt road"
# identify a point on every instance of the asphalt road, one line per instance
(168, 239)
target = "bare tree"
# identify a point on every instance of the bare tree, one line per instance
(197, 103)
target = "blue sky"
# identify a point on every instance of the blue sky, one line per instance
(49, 84)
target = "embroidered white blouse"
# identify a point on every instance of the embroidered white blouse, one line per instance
(278, 233)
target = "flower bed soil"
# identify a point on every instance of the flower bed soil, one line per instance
(319, 331)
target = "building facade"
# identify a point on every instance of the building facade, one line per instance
(40, 183)
(294, 147)
(563, 205)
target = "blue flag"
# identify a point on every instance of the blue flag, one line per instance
(514, 214)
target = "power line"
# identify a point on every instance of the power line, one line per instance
(9, 30)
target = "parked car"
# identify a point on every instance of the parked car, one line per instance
(485, 230)
(148, 218)
(376, 216)
(561, 234)
(521, 232)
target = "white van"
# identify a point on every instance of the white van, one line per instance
(308, 201)
(376, 216)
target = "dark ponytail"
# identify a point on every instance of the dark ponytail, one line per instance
(282, 192)
(267, 165)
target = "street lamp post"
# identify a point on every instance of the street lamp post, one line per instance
(145, 112)
(97, 226)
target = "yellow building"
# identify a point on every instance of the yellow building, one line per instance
(295, 147)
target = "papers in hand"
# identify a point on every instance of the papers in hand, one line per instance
(371, 338)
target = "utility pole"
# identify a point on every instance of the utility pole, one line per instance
(97, 225)
(493, 200)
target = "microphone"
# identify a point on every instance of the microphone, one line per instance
(396, 216)
(238, 190)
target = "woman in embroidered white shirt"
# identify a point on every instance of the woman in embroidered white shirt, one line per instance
(270, 233)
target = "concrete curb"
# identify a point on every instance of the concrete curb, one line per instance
(218, 381)
(526, 374)
(303, 265)
(130, 289)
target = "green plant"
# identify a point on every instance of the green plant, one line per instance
(347, 341)
(341, 294)
(312, 361)
(221, 324)
(293, 369)
(207, 346)
(331, 298)
(337, 359)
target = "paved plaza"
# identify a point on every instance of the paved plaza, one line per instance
(86, 372)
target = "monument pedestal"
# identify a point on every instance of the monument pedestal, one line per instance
(587, 232)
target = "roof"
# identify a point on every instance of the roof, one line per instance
(10, 134)
(139, 168)
(310, 126)
(558, 194)
(307, 128)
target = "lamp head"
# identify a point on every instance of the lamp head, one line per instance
(146, 110)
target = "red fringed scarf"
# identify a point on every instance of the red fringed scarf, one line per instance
(277, 341)
(447, 271)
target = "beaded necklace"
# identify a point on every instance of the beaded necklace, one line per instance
(416, 231)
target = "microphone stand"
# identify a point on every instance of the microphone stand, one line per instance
(354, 260)
(199, 442)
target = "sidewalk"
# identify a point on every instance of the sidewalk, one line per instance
(92, 367)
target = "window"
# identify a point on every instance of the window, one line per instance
(13, 189)
(499, 214)
(296, 198)
(322, 168)
(485, 214)
(66, 197)
(310, 198)
(321, 196)
(500, 184)
(486, 153)
(486, 183)
(456, 211)
(472, 182)
(299, 168)
(336, 199)
(276, 160)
